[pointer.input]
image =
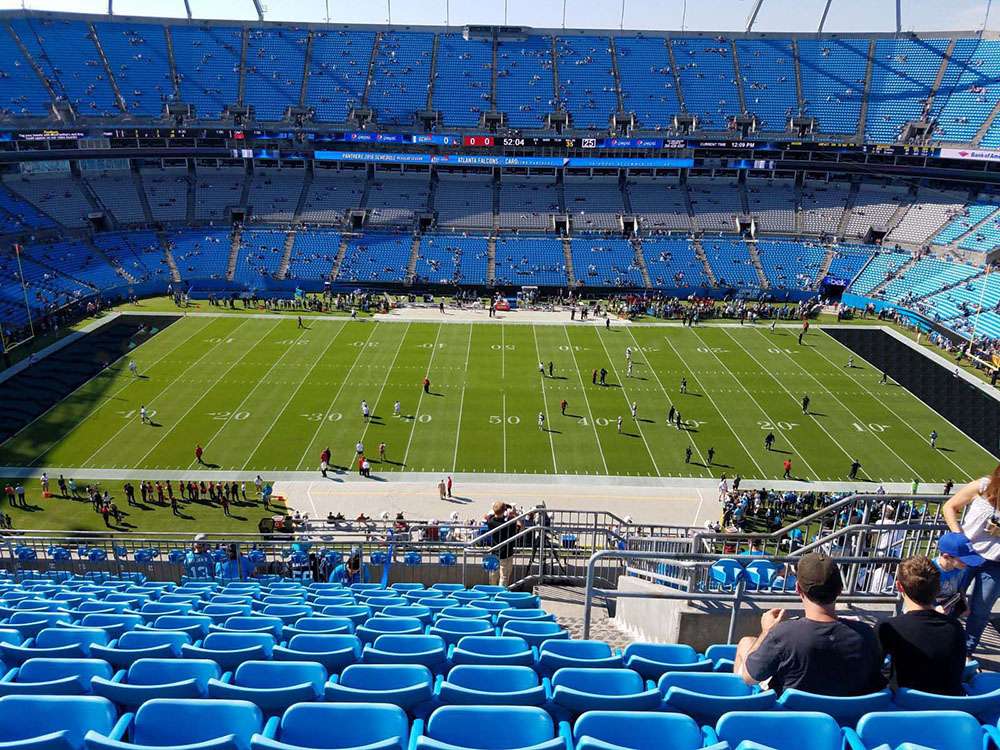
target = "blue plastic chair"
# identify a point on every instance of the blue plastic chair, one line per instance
(463, 612)
(333, 651)
(493, 651)
(475, 685)
(724, 574)
(273, 686)
(637, 730)
(175, 723)
(760, 574)
(229, 650)
(196, 626)
(343, 726)
(722, 655)
(941, 730)
(416, 611)
(453, 631)
(490, 588)
(652, 660)
(428, 650)
(367, 587)
(418, 596)
(984, 706)
(555, 655)
(378, 603)
(519, 599)
(490, 728)
(252, 624)
(54, 677)
(521, 615)
(321, 587)
(48, 722)
(448, 587)
(470, 597)
(705, 696)
(535, 632)
(319, 624)
(593, 689)
(778, 730)
(345, 599)
(288, 613)
(141, 644)
(147, 679)
(359, 614)
(30, 624)
(152, 610)
(377, 626)
(409, 686)
(55, 643)
(846, 710)
(404, 587)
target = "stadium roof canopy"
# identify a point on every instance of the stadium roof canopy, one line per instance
(695, 15)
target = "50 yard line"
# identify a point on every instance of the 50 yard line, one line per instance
(461, 402)
(420, 399)
(586, 399)
(545, 404)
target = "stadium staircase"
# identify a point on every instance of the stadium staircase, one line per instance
(568, 255)
(863, 115)
(744, 199)
(615, 74)
(845, 217)
(241, 90)
(371, 68)
(140, 190)
(192, 194)
(234, 251)
(245, 190)
(699, 253)
(981, 133)
(341, 252)
(877, 289)
(174, 78)
(640, 261)
(798, 209)
(901, 209)
(107, 67)
(286, 256)
(559, 106)
(491, 260)
(175, 274)
(433, 73)
(674, 70)
(945, 62)
(799, 97)
(303, 89)
(738, 75)
(56, 112)
(824, 268)
(92, 199)
(493, 73)
(119, 269)
(755, 259)
(411, 265)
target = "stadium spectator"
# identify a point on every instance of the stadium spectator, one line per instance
(955, 555)
(352, 570)
(198, 562)
(500, 541)
(980, 500)
(925, 648)
(235, 567)
(820, 652)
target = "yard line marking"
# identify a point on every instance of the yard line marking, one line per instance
(420, 399)
(344, 382)
(385, 382)
(628, 401)
(106, 401)
(246, 398)
(503, 358)
(197, 401)
(165, 389)
(892, 411)
(545, 404)
(756, 402)
(503, 418)
(821, 385)
(586, 399)
(694, 374)
(461, 402)
(294, 393)
(656, 375)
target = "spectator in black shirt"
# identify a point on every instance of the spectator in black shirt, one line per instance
(819, 653)
(925, 648)
(500, 541)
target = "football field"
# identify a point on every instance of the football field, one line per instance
(262, 395)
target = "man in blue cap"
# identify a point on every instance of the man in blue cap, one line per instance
(955, 555)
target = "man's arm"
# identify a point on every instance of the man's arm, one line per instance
(750, 645)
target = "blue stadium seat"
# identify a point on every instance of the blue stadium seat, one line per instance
(984, 706)
(251, 624)
(553, 655)
(229, 650)
(490, 588)
(941, 730)
(428, 650)
(492, 650)
(577, 690)
(30, 624)
(535, 632)
(197, 626)
(652, 660)
(469, 597)
(461, 612)
(272, 686)
(49, 722)
(448, 587)
(778, 730)
(333, 651)
(490, 728)
(54, 677)
(476, 685)
(356, 613)
(521, 615)
(179, 722)
(519, 599)
(376, 626)
(637, 730)
(846, 710)
(418, 611)
(54, 643)
(288, 613)
(147, 679)
(722, 656)
(724, 574)
(409, 686)
(141, 644)
(343, 726)
(319, 624)
(706, 696)
(453, 631)
(376, 604)
(404, 587)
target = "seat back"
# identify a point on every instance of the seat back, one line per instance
(409, 644)
(323, 624)
(705, 683)
(280, 674)
(599, 681)
(238, 641)
(343, 725)
(490, 679)
(577, 649)
(385, 676)
(942, 730)
(493, 645)
(137, 639)
(46, 670)
(640, 730)
(490, 727)
(166, 671)
(668, 653)
(23, 717)
(324, 643)
(168, 721)
(55, 637)
(781, 731)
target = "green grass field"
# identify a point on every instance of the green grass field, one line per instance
(263, 395)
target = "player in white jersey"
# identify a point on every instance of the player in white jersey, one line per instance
(619, 424)
(541, 421)
(133, 368)
(143, 416)
(635, 410)
(365, 412)
(628, 369)
(628, 353)
(395, 409)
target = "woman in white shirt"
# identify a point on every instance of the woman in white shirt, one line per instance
(980, 499)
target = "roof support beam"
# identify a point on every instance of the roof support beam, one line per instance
(899, 16)
(187, 7)
(752, 18)
(822, 20)
(260, 10)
